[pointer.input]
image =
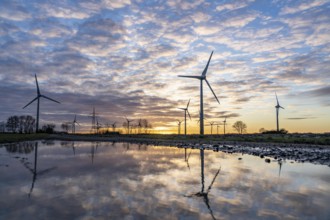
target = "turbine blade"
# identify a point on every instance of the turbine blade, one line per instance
(195, 77)
(38, 91)
(212, 90)
(207, 65)
(188, 114)
(277, 99)
(49, 98)
(281, 107)
(31, 102)
(182, 108)
(188, 104)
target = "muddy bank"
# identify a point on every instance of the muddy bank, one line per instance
(317, 154)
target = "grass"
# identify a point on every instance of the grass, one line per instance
(9, 138)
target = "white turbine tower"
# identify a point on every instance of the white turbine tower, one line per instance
(278, 106)
(185, 117)
(201, 78)
(39, 95)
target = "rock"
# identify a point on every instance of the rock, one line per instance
(267, 160)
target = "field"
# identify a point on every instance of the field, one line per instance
(311, 139)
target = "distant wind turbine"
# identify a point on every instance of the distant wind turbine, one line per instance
(179, 126)
(113, 125)
(128, 122)
(201, 78)
(278, 106)
(185, 117)
(39, 95)
(74, 124)
(224, 126)
(211, 124)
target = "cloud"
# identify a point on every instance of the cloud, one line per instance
(320, 92)
(302, 6)
(301, 118)
(233, 5)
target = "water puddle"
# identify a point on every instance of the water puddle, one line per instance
(103, 180)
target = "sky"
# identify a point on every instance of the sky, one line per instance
(123, 57)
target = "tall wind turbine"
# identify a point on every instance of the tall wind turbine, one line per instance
(74, 124)
(278, 106)
(39, 95)
(201, 78)
(185, 117)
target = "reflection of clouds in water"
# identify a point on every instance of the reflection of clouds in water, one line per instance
(154, 183)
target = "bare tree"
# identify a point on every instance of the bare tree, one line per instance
(29, 124)
(65, 126)
(2, 127)
(240, 127)
(13, 123)
(48, 128)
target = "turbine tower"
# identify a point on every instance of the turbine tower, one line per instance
(278, 106)
(185, 117)
(39, 95)
(224, 126)
(201, 78)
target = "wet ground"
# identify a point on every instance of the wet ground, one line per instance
(104, 180)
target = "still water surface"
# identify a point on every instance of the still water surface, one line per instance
(89, 180)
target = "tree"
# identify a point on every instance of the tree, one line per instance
(13, 123)
(240, 127)
(262, 130)
(48, 128)
(65, 126)
(2, 127)
(29, 124)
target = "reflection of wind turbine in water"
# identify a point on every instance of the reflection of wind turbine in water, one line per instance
(202, 193)
(34, 170)
(187, 158)
(39, 95)
(93, 151)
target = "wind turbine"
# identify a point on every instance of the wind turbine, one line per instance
(224, 126)
(113, 125)
(39, 95)
(128, 121)
(211, 124)
(74, 124)
(185, 117)
(278, 106)
(201, 78)
(179, 126)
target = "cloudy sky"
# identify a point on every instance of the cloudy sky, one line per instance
(123, 58)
